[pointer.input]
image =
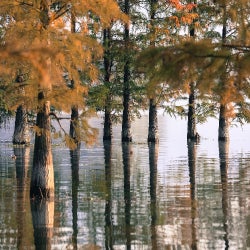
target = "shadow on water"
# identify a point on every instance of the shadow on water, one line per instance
(74, 159)
(153, 158)
(24, 235)
(223, 155)
(108, 205)
(126, 153)
(192, 155)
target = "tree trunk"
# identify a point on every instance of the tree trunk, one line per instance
(153, 121)
(107, 130)
(126, 119)
(191, 126)
(223, 132)
(191, 129)
(42, 179)
(74, 129)
(21, 131)
(153, 135)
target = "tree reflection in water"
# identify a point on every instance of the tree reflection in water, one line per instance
(108, 205)
(223, 154)
(22, 164)
(74, 159)
(192, 152)
(153, 158)
(43, 222)
(126, 151)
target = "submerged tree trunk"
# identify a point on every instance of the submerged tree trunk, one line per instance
(153, 135)
(126, 119)
(223, 131)
(191, 128)
(21, 130)
(107, 130)
(42, 179)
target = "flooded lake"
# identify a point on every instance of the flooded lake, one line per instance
(177, 195)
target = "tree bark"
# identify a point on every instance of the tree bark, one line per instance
(74, 129)
(153, 135)
(223, 131)
(191, 125)
(42, 178)
(21, 130)
(126, 119)
(107, 130)
(191, 129)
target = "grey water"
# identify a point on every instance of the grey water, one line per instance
(176, 195)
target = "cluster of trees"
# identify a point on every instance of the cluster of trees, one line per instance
(120, 57)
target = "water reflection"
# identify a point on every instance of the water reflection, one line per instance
(24, 235)
(126, 153)
(74, 159)
(153, 158)
(43, 222)
(192, 154)
(129, 196)
(223, 155)
(108, 205)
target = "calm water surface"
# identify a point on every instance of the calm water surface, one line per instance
(133, 196)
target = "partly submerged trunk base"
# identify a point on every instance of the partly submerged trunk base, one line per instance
(193, 137)
(42, 177)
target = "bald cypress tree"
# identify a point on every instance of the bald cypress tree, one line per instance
(44, 42)
(126, 116)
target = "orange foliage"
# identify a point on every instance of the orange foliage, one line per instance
(179, 6)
